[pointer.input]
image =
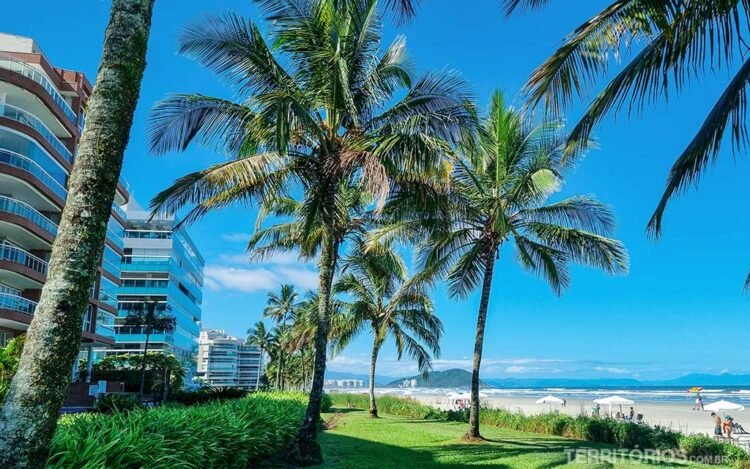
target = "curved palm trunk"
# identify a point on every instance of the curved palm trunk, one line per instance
(375, 350)
(478, 346)
(306, 450)
(29, 415)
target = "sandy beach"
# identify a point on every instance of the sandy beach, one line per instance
(677, 416)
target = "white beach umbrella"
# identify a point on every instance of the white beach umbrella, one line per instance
(550, 400)
(614, 400)
(722, 406)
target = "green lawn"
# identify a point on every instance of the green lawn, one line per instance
(361, 442)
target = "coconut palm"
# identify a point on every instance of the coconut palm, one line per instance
(498, 197)
(259, 336)
(386, 304)
(31, 409)
(681, 41)
(281, 307)
(321, 111)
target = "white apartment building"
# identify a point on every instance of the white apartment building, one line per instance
(226, 361)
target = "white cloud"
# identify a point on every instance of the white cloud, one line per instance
(236, 237)
(613, 370)
(243, 280)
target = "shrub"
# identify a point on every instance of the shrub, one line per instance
(388, 405)
(326, 403)
(204, 395)
(117, 402)
(237, 433)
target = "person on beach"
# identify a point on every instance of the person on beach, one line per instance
(632, 413)
(728, 424)
(595, 409)
(698, 403)
(717, 424)
(565, 402)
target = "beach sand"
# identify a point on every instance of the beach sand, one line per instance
(674, 415)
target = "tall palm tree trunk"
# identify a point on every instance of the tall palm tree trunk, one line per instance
(32, 406)
(373, 361)
(143, 363)
(478, 346)
(306, 450)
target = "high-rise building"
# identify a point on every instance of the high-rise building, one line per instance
(42, 112)
(160, 263)
(226, 361)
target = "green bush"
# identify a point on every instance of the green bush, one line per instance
(388, 405)
(237, 433)
(117, 403)
(204, 395)
(326, 403)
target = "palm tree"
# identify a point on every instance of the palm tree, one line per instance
(498, 195)
(321, 111)
(150, 318)
(388, 305)
(260, 336)
(681, 41)
(31, 409)
(281, 307)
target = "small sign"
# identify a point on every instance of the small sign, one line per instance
(102, 385)
(93, 390)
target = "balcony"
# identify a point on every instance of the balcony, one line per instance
(105, 331)
(22, 209)
(19, 256)
(30, 166)
(22, 68)
(26, 118)
(17, 303)
(118, 210)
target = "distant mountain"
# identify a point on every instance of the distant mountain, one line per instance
(454, 378)
(703, 379)
(562, 383)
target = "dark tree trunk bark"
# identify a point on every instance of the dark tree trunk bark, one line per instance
(143, 364)
(375, 350)
(32, 406)
(478, 346)
(306, 450)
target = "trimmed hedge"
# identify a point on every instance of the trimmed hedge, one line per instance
(236, 433)
(204, 395)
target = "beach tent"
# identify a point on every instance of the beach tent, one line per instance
(723, 406)
(614, 400)
(550, 400)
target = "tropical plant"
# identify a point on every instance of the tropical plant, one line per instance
(166, 371)
(681, 41)
(321, 111)
(29, 414)
(498, 196)
(9, 357)
(386, 304)
(258, 335)
(152, 318)
(281, 307)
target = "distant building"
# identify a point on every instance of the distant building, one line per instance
(42, 113)
(160, 263)
(408, 383)
(344, 383)
(224, 360)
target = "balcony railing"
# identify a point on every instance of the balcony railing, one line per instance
(118, 210)
(15, 65)
(16, 207)
(105, 330)
(17, 303)
(24, 258)
(30, 166)
(30, 120)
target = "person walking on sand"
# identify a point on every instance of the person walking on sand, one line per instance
(717, 424)
(698, 403)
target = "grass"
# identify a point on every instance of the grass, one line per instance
(359, 441)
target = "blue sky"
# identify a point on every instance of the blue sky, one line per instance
(679, 310)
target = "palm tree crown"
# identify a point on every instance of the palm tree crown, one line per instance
(682, 40)
(281, 306)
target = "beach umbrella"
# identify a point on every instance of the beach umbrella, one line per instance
(695, 389)
(550, 400)
(614, 400)
(722, 406)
